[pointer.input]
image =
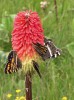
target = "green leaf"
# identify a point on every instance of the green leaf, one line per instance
(73, 24)
(4, 35)
(70, 48)
(12, 16)
(3, 57)
(7, 21)
(1, 26)
(5, 31)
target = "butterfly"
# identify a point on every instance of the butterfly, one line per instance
(13, 63)
(48, 50)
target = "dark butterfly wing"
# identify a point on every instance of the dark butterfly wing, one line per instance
(49, 50)
(42, 51)
(36, 67)
(54, 51)
(13, 63)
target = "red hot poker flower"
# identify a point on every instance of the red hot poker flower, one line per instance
(26, 31)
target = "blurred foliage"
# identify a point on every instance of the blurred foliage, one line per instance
(70, 48)
(58, 75)
(5, 31)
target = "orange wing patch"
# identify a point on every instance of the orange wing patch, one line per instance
(13, 63)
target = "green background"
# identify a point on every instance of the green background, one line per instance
(57, 74)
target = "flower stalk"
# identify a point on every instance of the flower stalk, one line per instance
(28, 86)
(56, 11)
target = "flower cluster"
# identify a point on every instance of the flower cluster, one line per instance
(43, 4)
(26, 31)
(20, 98)
(18, 91)
(9, 95)
(64, 98)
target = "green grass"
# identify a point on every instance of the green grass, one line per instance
(57, 74)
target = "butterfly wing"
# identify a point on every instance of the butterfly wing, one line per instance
(36, 67)
(13, 63)
(49, 50)
(54, 51)
(42, 51)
